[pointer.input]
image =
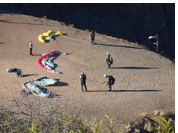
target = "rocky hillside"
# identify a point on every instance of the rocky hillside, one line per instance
(133, 22)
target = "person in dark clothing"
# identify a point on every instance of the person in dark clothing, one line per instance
(155, 41)
(109, 60)
(92, 36)
(110, 81)
(83, 81)
(19, 73)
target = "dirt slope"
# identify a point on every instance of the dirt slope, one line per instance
(145, 81)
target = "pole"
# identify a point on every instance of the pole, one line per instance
(157, 43)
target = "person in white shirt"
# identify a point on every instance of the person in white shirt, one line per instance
(31, 46)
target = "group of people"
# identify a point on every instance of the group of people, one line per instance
(110, 78)
(109, 62)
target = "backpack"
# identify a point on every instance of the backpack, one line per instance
(83, 78)
(112, 80)
(111, 60)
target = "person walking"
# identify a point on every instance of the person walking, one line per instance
(110, 81)
(92, 36)
(109, 60)
(83, 81)
(31, 47)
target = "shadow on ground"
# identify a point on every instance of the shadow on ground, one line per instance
(110, 45)
(26, 75)
(133, 68)
(135, 90)
(124, 90)
(37, 54)
(60, 84)
(5, 21)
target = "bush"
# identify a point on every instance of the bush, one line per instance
(163, 125)
(65, 123)
(51, 121)
(44, 17)
(88, 30)
(71, 25)
(9, 123)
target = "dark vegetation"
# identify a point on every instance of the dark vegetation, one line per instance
(130, 21)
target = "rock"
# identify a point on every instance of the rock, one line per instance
(148, 126)
(136, 130)
(128, 127)
(162, 113)
(156, 112)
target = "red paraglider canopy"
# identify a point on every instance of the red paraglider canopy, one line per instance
(39, 60)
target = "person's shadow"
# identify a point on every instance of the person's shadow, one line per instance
(123, 46)
(37, 54)
(124, 90)
(26, 75)
(136, 90)
(133, 67)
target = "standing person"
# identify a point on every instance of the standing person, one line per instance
(109, 60)
(110, 81)
(83, 81)
(155, 42)
(31, 46)
(92, 36)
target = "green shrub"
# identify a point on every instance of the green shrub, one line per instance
(71, 25)
(66, 123)
(87, 30)
(70, 124)
(96, 125)
(9, 123)
(44, 17)
(111, 126)
(34, 128)
(163, 125)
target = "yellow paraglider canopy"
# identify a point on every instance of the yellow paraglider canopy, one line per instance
(45, 36)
